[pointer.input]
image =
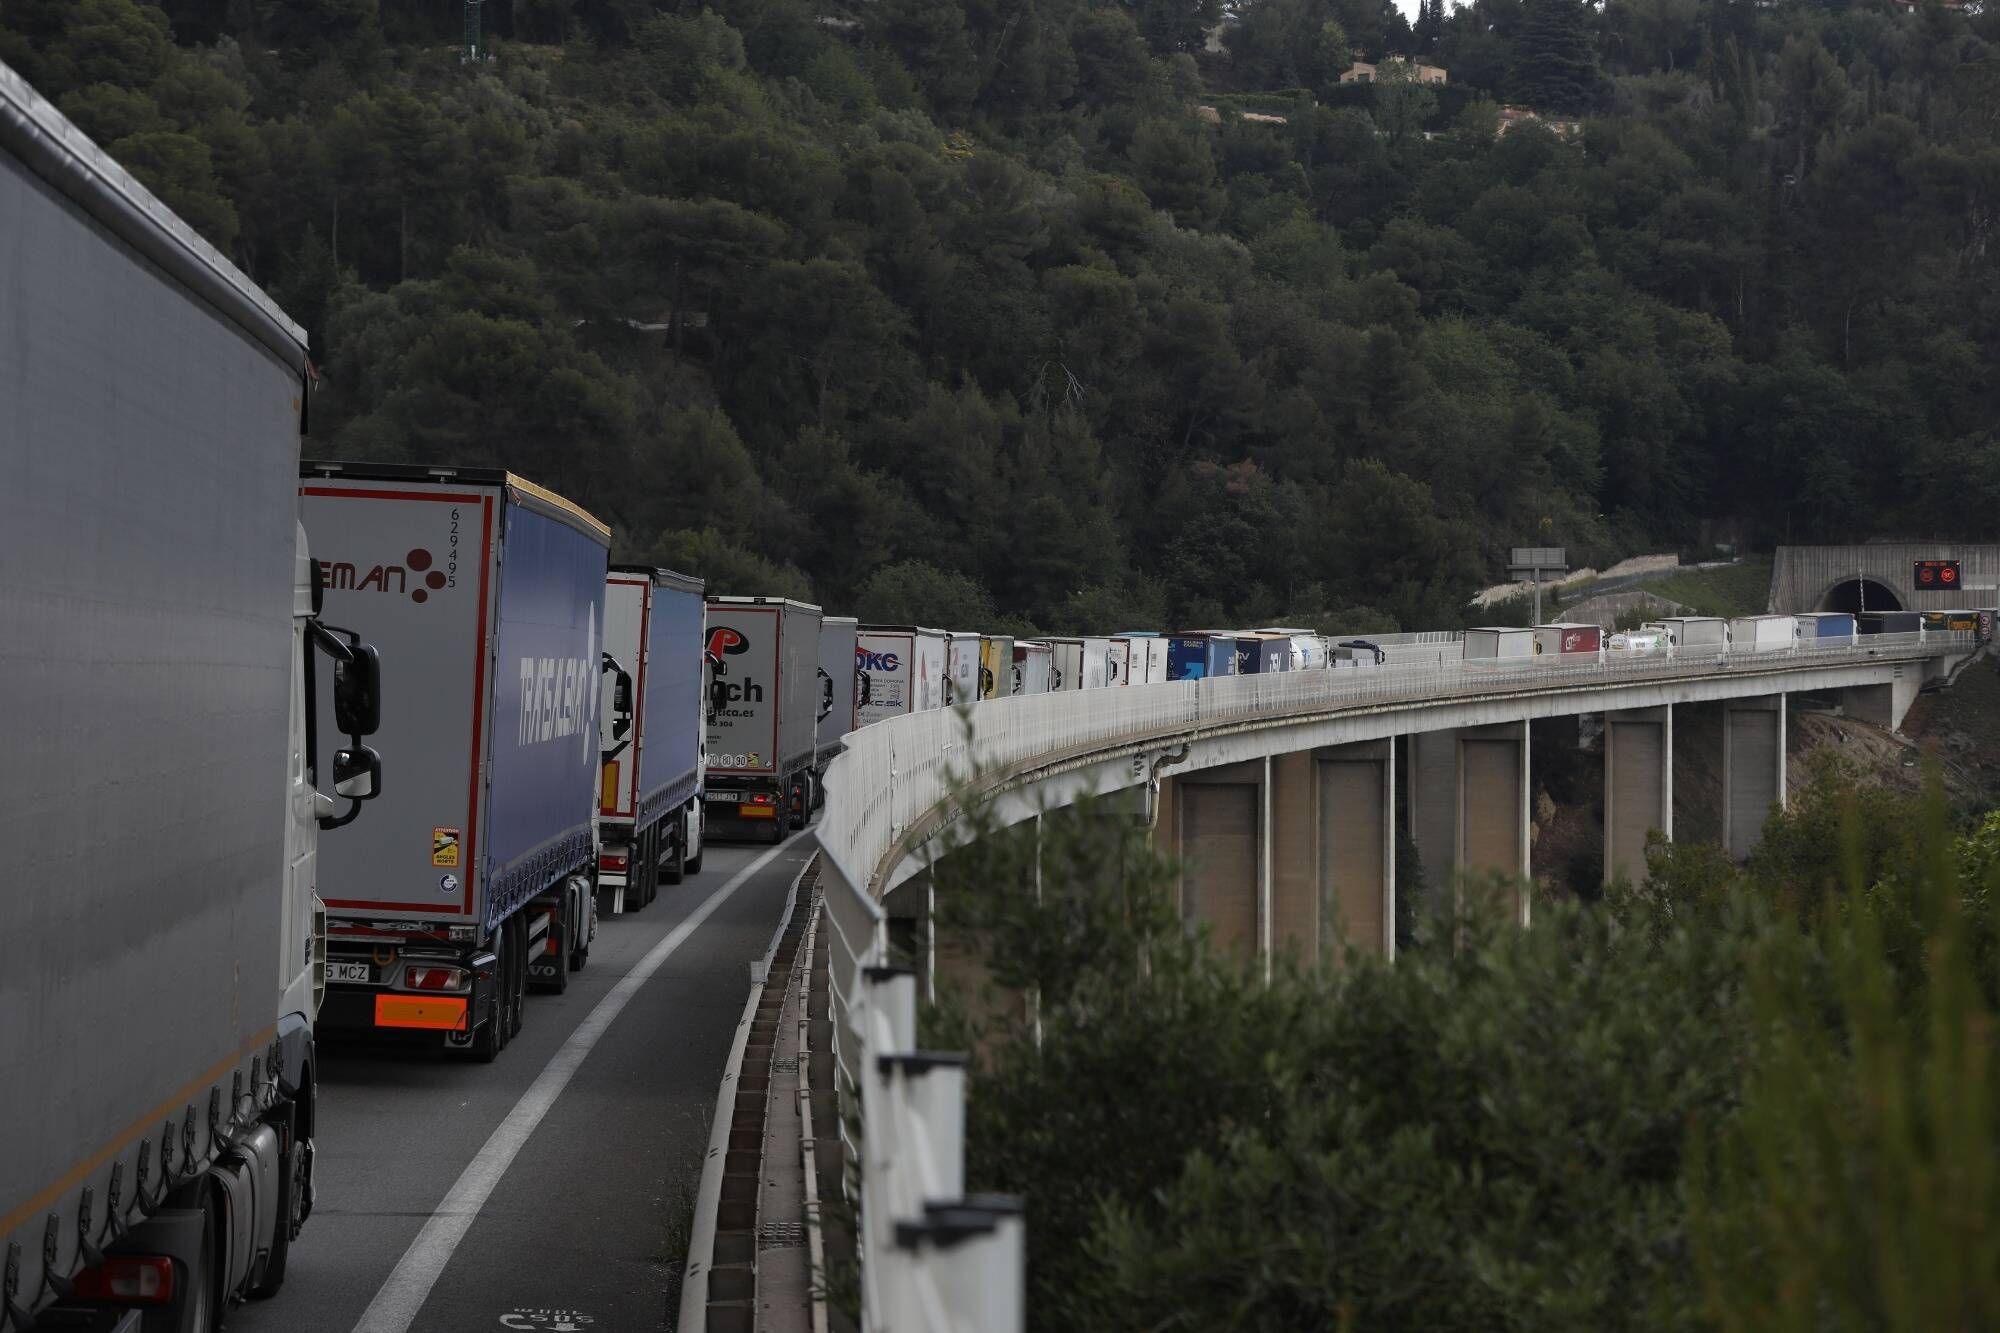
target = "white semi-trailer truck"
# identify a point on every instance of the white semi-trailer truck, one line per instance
(161, 655)
(763, 715)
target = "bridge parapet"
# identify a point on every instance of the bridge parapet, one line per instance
(891, 797)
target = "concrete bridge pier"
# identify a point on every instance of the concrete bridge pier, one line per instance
(1431, 796)
(1219, 828)
(1753, 769)
(1468, 792)
(1332, 850)
(1494, 792)
(1638, 787)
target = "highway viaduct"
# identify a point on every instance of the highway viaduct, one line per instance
(1280, 795)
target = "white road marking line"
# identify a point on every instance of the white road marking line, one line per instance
(397, 1304)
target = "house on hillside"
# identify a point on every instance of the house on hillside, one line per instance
(1562, 127)
(1363, 72)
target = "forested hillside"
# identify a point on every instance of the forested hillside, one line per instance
(1004, 311)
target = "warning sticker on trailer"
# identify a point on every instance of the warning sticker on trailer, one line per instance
(444, 847)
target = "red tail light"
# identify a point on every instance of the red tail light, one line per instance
(425, 977)
(760, 798)
(610, 861)
(136, 1279)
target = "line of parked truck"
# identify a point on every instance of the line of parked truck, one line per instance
(204, 641)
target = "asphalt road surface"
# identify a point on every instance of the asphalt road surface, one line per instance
(541, 1191)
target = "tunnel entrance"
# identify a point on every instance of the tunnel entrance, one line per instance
(1851, 596)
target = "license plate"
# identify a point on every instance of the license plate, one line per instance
(349, 972)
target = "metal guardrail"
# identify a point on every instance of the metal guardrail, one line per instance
(931, 1258)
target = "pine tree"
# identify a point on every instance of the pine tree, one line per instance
(1556, 68)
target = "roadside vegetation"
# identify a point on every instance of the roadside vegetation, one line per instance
(1739, 589)
(1757, 1097)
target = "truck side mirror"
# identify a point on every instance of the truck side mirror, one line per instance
(357, 691)
(357, 773)
(621, 697)
(718, 699)
(825, 694)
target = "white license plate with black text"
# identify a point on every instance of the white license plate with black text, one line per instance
(339, 971)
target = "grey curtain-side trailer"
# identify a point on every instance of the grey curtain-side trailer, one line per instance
(165, 780)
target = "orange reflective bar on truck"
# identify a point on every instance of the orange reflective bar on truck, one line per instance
(757, 811)
(607, 796)
(440, 1014)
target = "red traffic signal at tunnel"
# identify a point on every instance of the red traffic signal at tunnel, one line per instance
(1937, 575)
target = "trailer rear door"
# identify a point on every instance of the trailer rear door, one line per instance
(410, 568)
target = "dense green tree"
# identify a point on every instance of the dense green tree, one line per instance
(1035, 292)
(1555, 63)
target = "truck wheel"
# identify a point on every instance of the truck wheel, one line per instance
(487, 1041)
(204, 1311)
(677, 863)
(778, 830)
(294, 1184)
(579, 957)
(520, 992)
(639, 873)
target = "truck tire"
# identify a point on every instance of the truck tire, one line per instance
(779, 830)
(676, 869)
(639, 873)
(797, 818)
(579, 957)
(520, 992)
(294, 1188)
(203, 1311)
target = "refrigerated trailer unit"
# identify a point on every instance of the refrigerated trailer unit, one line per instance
(1259, 654)
(485, 592)
(1197, 656)
(1566, 641)
(1079, 664)
(1499, 643)
(1034, 667)
(1695, 633)
(898, 669)
(1309, 649)
(1148, 657)
(1762, 634)
(836, 685)
(763, 714)
(961, 679)
(649, 814)
(1117, 660)
(1825, 628)
(162, 792)
(996, 666)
